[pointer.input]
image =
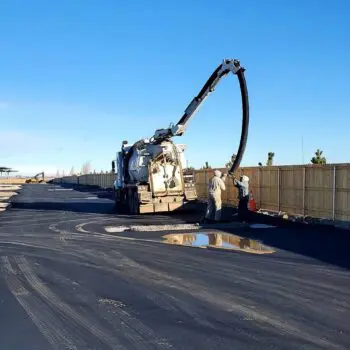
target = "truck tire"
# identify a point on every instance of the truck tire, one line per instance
(136, 204)
(129, 201)
(117, 201)
(132, 202)
(121, 204)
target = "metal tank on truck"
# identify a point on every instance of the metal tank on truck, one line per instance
(150, 174)
(150, 177)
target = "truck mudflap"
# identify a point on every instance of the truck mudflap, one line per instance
(167, 207)
(190, 193)
(135, 200)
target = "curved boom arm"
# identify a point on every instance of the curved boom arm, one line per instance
(228, 65)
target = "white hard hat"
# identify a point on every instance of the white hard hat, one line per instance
(245, 178)
(217, 173)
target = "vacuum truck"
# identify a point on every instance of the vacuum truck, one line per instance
(150, 177)
(151, 174)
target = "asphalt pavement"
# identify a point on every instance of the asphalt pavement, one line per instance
(66, 283)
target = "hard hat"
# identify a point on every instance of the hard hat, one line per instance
(245, 178)
(217, 173)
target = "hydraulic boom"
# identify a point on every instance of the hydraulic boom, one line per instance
(150, 172)
(228, 65)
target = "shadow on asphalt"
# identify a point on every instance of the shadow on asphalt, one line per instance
(95, 190)
(77, 207)
(327, 244)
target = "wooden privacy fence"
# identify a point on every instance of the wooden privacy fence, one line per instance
(321, 191)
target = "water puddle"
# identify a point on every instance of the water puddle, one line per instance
(219, 241)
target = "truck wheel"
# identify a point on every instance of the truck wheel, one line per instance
(130, 201)
(117, 201)
(121, 203)
(136, 204)
(124, 202)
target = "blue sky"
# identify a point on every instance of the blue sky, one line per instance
(78, 77)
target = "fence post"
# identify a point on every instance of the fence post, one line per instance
(205, 183)
(334, 191)
(278, 189)
(259, 184)
(227, 191)
(304, 187)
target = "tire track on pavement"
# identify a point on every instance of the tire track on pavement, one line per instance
(61, 307)
(224, 301)
(40, 314)
(127, 326)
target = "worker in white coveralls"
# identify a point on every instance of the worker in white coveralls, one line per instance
(216, 185)
(243, 196)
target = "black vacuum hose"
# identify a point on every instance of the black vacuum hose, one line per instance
(245, 111)
(245, 121)
(245, 118)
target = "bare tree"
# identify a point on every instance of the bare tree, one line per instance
(72, 171)
(57, 173)
(63, 173)
(86, 168)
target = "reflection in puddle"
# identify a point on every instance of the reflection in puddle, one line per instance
(218, 240)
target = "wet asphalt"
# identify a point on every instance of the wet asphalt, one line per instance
(67, 284)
